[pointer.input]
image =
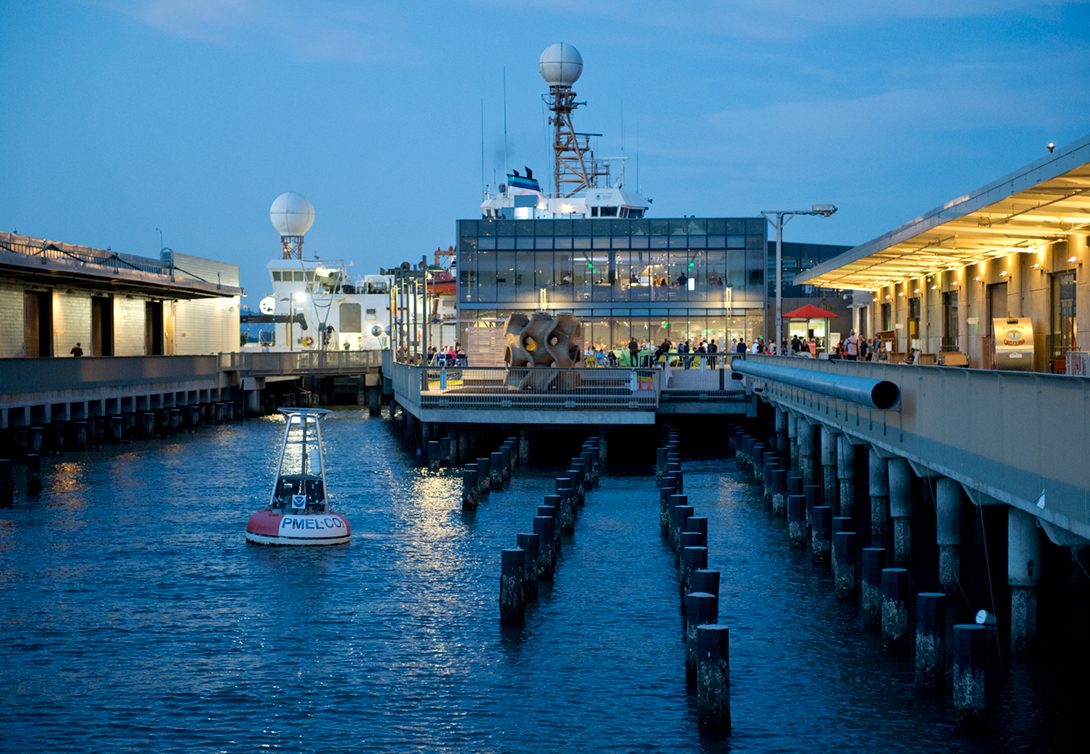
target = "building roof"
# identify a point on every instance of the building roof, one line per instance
(810, 312)
(1025, 211)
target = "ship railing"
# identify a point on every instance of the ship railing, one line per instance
(301, 362)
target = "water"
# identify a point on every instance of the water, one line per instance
(134, 617)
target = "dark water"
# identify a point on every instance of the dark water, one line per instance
(134, 617)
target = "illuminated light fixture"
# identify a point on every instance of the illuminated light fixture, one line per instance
(977, 277)
(901, 293)
(1035, 266)
(1004, 272)
(1073, 259)
(934, 287)
(916, 291)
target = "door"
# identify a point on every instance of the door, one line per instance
(38, 323)
(153, 328)
(102, 326)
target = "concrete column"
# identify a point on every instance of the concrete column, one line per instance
(930, 640)
(874, 562)
(821, 533)
(845, 564)
(792, 442)
(374, 402)
(808, 452)
(845, 474)
(948, 505)
(829, 489)
(701, 609)
(900, 509)
(666, 489)
(531, 543)
(895, 610)
(603, 450)
(434, 455)
(484, 475)
(878, 487)
(1024, 546)
(253, 402)
(796, 521)
(7, 482)
(551, 507)
(470, 491)
(545, 529)
(463, 445)
(781, 433)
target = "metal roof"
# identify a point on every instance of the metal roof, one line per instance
(1025, 211)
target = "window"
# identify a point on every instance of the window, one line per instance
(276, 276)
(1063, 313)
(950, 318)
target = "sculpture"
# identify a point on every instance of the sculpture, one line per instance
(542, 341)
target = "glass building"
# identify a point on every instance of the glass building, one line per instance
(681, 278)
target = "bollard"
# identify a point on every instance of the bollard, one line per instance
(148, 424)
(567, 505)
(698, 524)
(33, 473)
(551, 508)
(530, 543)
(706, 581)
(845, 565)
(495, 470)
(701, 609)
(692, 559)
(713, 678)
(483, 474)
(779, 492)
(930, 640)
(895, 610)
(822, 531)
(796, 521)
(666, 489)
(678, 515)
(443, 447)
(7, 482)
(434, 455)
(874, 562)
(545, 529)
(970, 664)
(470, 494)
(81, 434)
(512, 591)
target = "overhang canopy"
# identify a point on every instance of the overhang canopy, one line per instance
(810, 312)
(1025, 211)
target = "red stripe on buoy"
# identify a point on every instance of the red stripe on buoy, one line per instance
(265, 523)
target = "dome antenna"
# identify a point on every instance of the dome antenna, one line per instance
(575, 168)
(292, 215)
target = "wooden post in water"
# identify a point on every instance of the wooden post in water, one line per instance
(895, 610)
(434, 455)
(33, 473)
(700, 608)
(713, 678)
(874, 562)
(470, 493)
(545, 529)
(7, 482)
(970, 666)
(512, 592)
(930, 640)
(531, 544)
(483, 475)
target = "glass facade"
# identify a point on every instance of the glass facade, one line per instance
(682, 278)
(798, 257)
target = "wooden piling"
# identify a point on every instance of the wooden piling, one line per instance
(874, 562)
(713, 678)
(33, 473)
(470, 492)
(530, 543)
(895, 610)
(701, 609)
(512, 591)
(970, 674)
(930, 640)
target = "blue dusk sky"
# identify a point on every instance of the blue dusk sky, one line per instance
(123, 116)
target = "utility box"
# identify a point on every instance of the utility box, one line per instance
(1013, 344)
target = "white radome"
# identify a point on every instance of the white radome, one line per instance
(561, 64)
(292, 214)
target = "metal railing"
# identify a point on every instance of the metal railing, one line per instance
(496, 388)
(37, 376)
(84, 255)
(300, 362)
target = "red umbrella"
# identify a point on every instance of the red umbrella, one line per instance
(810, 312)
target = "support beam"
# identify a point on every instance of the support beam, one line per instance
(1024, 546)
(948, 513)
(900, 509)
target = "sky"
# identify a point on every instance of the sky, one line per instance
(121, 117)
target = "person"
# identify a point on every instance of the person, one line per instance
(864, 349)
(77, 352)
(771, 350)
(741, 347)
(634, 351)
(851, 346)
(713, 349)
(796, 345)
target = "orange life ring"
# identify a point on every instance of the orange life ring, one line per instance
(308, 341)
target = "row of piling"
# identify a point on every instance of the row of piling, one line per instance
(707, 643)
(534, 558)
(97, 432)
(862, 573)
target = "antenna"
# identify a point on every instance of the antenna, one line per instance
(561, 65)
(505, 124)
(482, 147)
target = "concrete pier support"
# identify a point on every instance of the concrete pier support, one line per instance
(970, 665)
(878, 487)
(463, 445)
(435, 455)
(930, 640)
(845, 564)
(483, 475)
(524, 447)
(374, 400)
(895, 610)
(33, 474)
(713, 678)
(545, 528)
(512, 591)
(845, 474)
(781, 433)
(567, 505)
(1024, 546)
(792, 443)
(830, 491)
(948, 508)
(7, 482)
(495, 471)
(900, 509)
(470, 491)
(796, 521)
(692, 559)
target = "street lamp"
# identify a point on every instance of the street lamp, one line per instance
(778, 220)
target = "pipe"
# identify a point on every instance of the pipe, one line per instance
(879, 394)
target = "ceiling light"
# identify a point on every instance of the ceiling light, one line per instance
(1073, 259)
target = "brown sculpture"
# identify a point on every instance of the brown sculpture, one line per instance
(542, 341)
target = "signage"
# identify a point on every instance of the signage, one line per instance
(291, 524)
(298, 501)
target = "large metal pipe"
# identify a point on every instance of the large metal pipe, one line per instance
(879, 394)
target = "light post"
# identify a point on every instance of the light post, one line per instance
(778, 220)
